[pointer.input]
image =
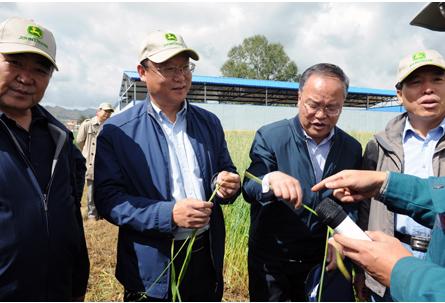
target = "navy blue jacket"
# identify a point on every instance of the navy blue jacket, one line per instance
(278, 231)
(43, 254)
(132, 190)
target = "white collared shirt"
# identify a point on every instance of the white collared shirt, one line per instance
(418, 161)
(318, 154)
(185, 176)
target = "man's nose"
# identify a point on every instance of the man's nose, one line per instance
(428, 88)
(321, 113)
(25, 77)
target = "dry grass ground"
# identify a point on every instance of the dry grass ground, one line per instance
(101, 241)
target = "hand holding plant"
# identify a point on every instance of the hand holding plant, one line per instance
(286, 187)
(192, 213)
(229, 184)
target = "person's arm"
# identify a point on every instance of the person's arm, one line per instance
(413, 279)
(113, 201)
(264, 166)
(421, 199)
(81, 269)
(82, 135)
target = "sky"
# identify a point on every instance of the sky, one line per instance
(97, 42)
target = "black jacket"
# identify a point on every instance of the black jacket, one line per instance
(43, 254)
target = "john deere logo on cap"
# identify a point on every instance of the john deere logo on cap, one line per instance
(419, 56)
(170, 37)
(35, 31)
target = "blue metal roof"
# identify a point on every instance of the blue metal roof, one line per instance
(226, 81)
(394, 108)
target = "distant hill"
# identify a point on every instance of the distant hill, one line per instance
(64, 114)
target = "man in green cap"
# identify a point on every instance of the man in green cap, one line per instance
(43, 254)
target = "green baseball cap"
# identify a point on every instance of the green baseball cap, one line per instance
(19, 35)
(159, 46)
(418, 59)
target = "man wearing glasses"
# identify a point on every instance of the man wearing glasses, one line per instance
(156, 166)
(291, 156)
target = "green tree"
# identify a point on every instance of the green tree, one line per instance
(256, 58)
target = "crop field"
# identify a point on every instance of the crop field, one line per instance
(102, 236)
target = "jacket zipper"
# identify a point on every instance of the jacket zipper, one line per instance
(43, 196)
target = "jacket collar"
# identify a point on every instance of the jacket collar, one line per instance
(391, 138)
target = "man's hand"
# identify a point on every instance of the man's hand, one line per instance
(353, 185)
(229, 184)
(331, 258)
(191, 213)
(286, 188)
(378, 257)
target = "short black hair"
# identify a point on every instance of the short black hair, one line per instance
(144, 63)
(325, 69)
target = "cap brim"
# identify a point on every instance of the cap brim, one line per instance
(430, 18)
(417, 67)
(170, 53)
(16, 48)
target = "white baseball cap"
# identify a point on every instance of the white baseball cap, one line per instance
(418, 59)
(106, 106)
(159, 46)
(18, 35)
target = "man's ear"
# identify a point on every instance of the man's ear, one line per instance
(141, 71)
(400, 96)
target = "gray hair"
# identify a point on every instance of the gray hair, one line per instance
(325, 69)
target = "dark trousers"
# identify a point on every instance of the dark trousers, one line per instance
(277, 280)
(199, 282)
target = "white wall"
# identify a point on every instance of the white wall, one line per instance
(252, 117)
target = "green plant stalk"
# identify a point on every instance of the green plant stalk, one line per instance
(340, 263)
(191, 240)
(168, 265)
(180, 249)
(259, 181)
(174, 288)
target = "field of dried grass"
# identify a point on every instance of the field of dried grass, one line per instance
(102, 238)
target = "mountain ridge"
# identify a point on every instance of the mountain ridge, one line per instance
(64, 114)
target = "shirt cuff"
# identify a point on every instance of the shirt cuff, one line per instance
(383, 188)
(265, 184)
